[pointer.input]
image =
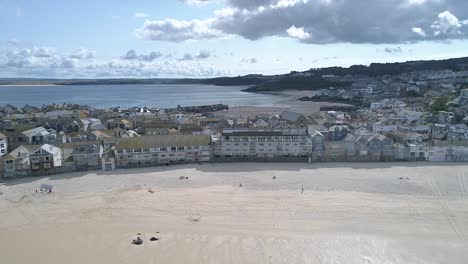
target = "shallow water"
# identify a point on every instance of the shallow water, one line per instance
(164, 96)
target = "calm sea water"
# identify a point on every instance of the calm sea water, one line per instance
(164, 96)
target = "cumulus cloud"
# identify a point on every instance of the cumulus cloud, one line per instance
(68, 63)
(199, 56)
(82, 54)
(132, 55)
(298, 33)
(323, 21)
(47, 62)
(26, 57)
(177, 31)
(447, 24)
(419, 31)
(43, 52)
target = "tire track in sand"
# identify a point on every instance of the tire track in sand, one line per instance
(446, 211)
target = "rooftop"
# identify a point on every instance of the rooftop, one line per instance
(162, 141)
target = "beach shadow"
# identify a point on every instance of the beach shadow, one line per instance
(233, 167)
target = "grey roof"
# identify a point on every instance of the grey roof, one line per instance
(253, 133)
(261, 132)
(88, 148)
(49, 149)
(35, 131)
(291, 116)
(21, 150)
(162, 141)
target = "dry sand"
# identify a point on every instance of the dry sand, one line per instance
(290, 102)
(348, 213)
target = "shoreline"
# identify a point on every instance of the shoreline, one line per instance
(29, 85)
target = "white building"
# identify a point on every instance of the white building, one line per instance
(384, 126)
(30, 160)
(3, 145)
(16, 163)
(446, 151)
(158, 150)
(266, 143)
(369, 89)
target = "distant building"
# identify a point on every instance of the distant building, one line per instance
(266, 143)
(159, 150)
(17, 163)
(46, 160)
(3, 145)
(384, 126)
(38, 135)
(447, 151)
(33, 160)
(91, 124)
(87, 155)
(294, 118)
(369, 89)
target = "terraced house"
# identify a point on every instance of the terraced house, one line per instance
(161, 150)
(266, 143)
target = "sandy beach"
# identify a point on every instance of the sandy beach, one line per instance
(347, 213)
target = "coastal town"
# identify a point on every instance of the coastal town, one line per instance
(419, 116)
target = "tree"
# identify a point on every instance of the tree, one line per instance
(440, 104)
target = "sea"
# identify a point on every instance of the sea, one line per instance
(125, 96)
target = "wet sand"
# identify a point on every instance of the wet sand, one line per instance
(348, 213)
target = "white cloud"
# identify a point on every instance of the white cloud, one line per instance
(198, 2)
(447, 24)
(419, 31)
(322, 21)
(298, 33)
(82, 53)
(47, 62)
(177, 31)
(140, 15)
(132, 55)
(43, 52)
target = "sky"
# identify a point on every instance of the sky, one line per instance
(209, 38)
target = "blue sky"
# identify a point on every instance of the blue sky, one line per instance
(205, 38)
